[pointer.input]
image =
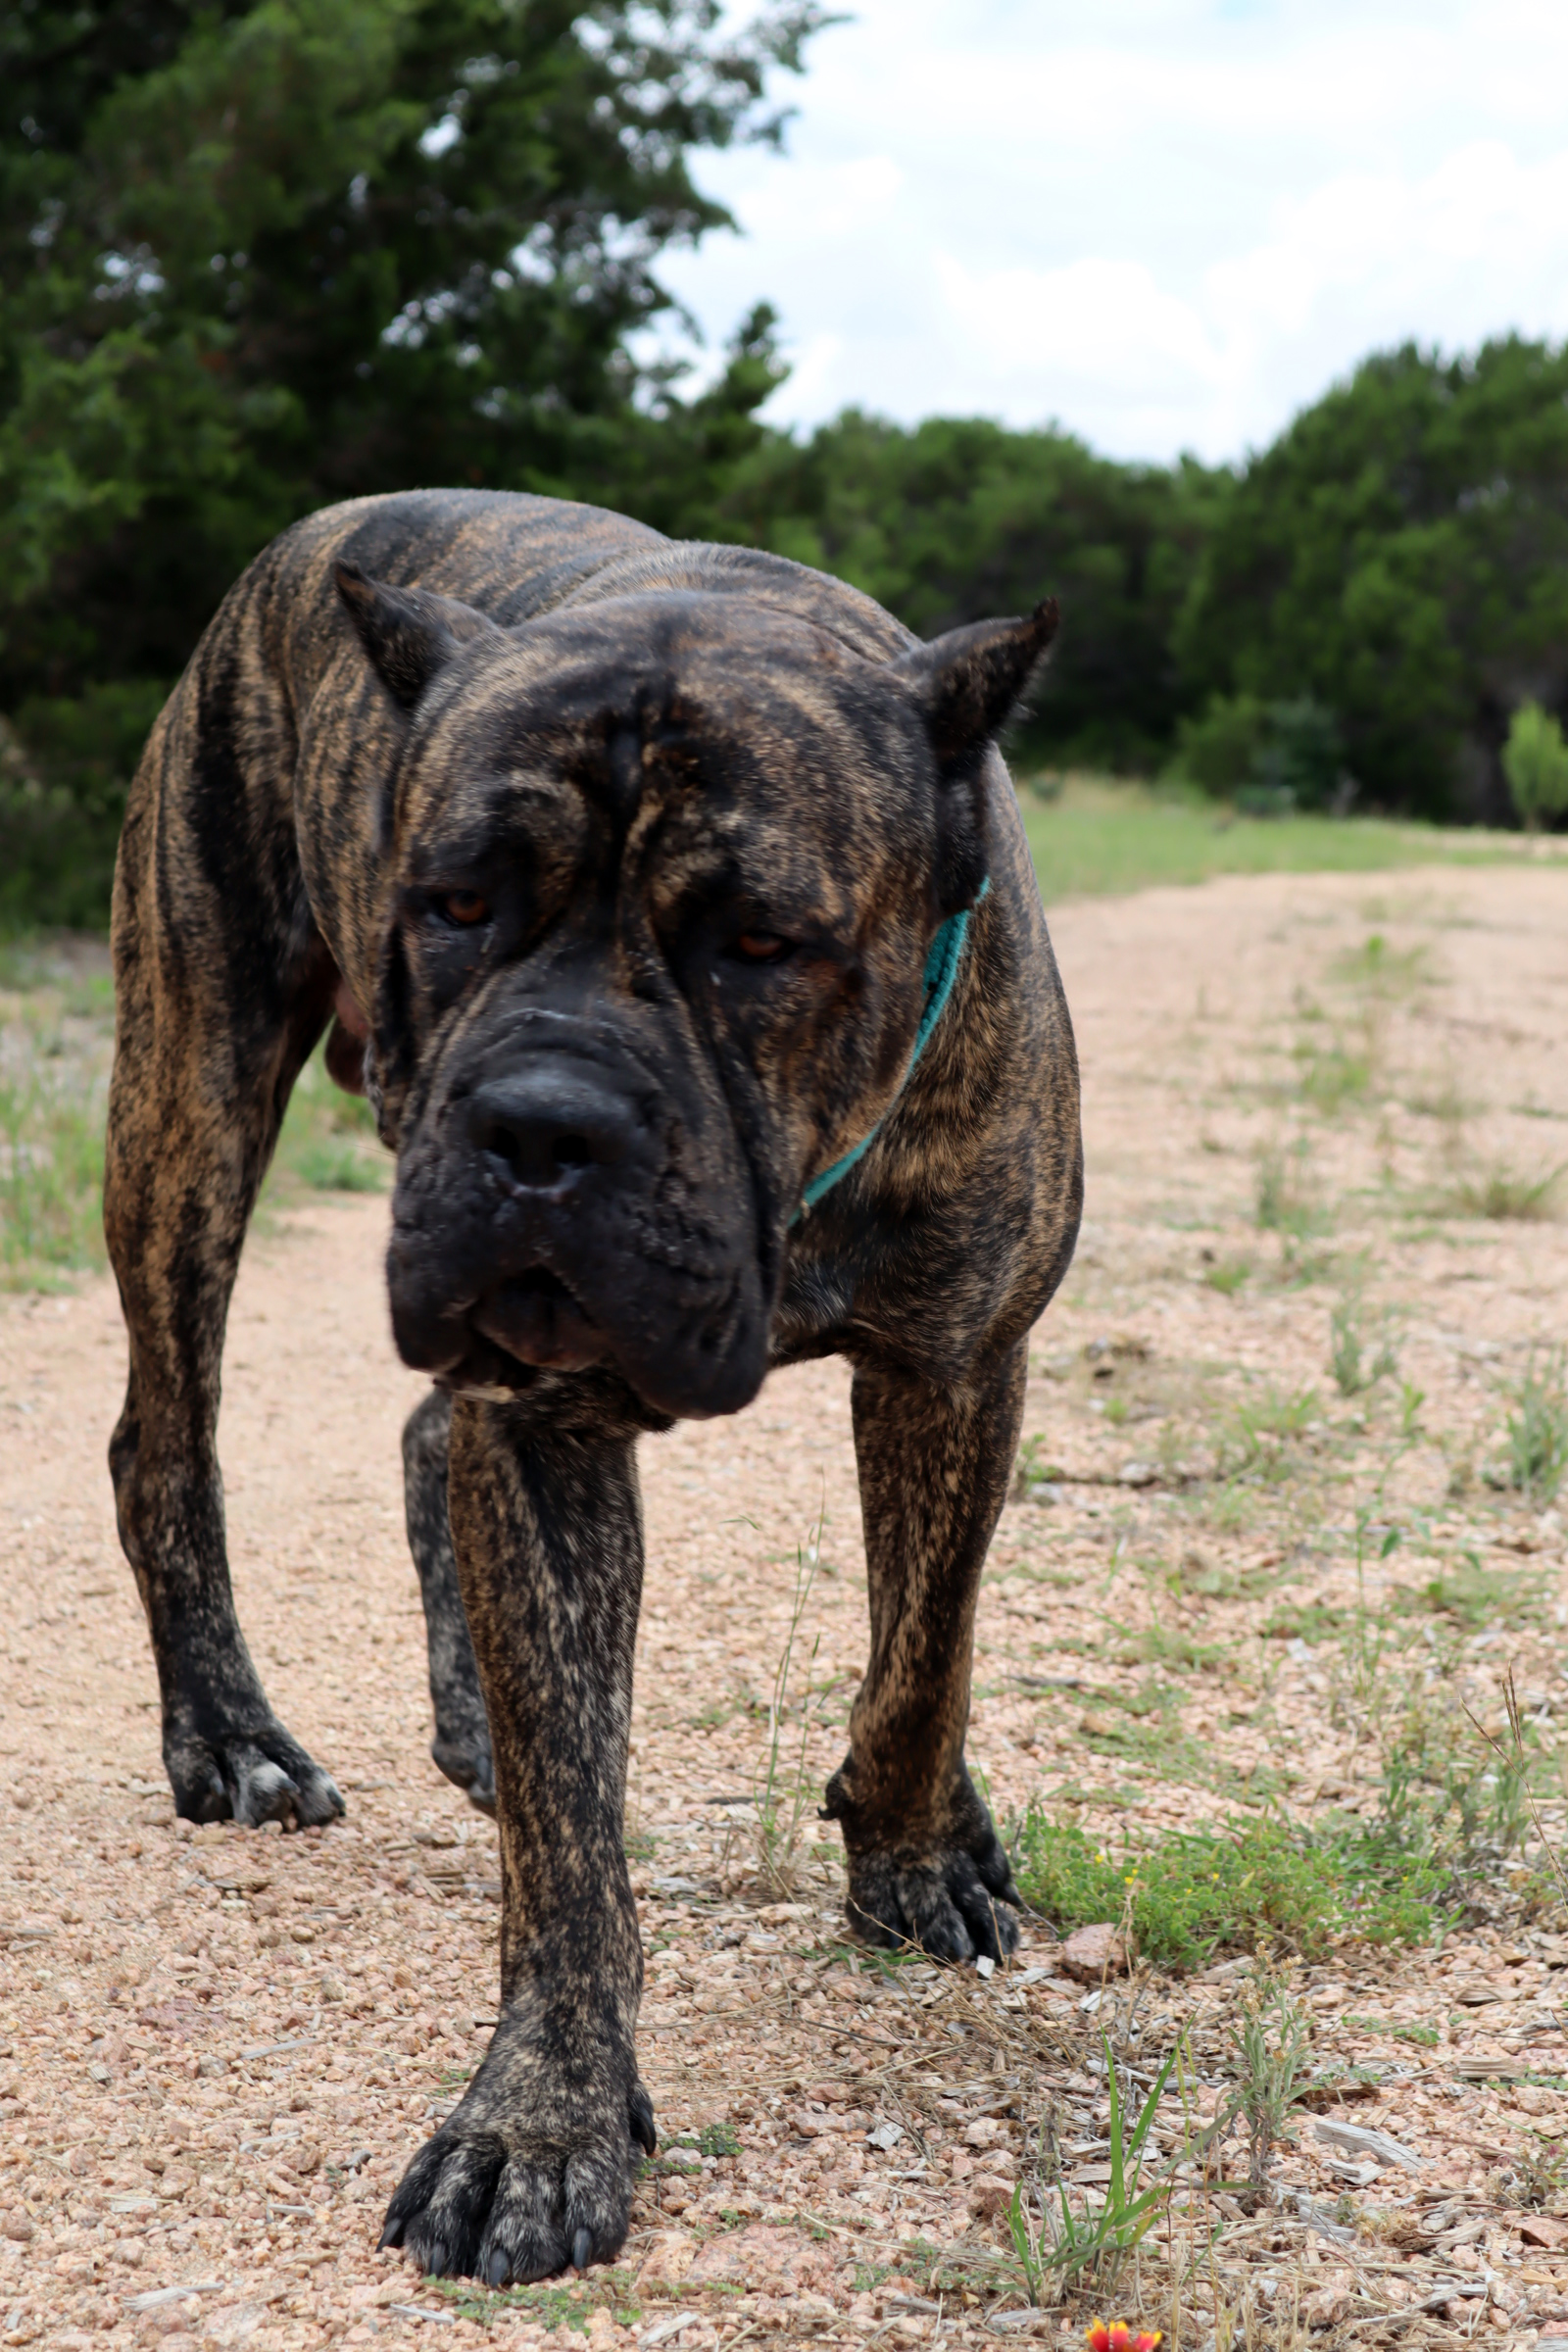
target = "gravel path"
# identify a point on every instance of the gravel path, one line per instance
(218, 2050)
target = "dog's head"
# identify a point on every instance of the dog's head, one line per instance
(665, 869)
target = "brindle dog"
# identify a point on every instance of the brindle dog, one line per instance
(620, 863)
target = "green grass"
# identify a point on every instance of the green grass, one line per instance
(1503, 1193)
(1333, 1076)
(1284, 1202)
(1479, 1599)
(53, 1102)
(328, 1140)
(1248, 1884)
(1538, 1432)
(1099, 836)
(55, 1045)
(1426, 2037)
(51, 1179)
(1311, 1621)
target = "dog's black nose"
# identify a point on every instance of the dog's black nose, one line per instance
(548, 1125)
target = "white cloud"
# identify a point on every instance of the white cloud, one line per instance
(1170, 233)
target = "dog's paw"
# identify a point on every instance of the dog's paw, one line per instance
(484, 2201)
(959, 1904)
(257, 1776)
(465, 1757)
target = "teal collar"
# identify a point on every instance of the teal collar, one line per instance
(943, 958)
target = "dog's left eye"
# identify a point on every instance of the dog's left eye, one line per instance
(464, 907)
(760, 947)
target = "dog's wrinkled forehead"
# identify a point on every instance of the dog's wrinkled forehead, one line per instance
(696, 699)
(684, 701)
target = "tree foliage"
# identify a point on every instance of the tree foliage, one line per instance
(956, 518)
(257, 255)
(1400, 555)
(261, 254)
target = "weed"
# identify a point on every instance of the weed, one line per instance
(1333, 1077)
(1382, 970)
(1263, 1427)
(1541, 2175)
(1478, 1598)
(1227, 1275)
(714, 2139)
(1502, 1192)
(572, 2308)
(1411, 1399)
(1538, 1431)
(1309, 1621)
(784, 1796)
(1426, 2037)
(1282, 1204)
(1158, 1645)
(1513, 1771)
(1212, 1582)
(1449, 1812)
(1348, 1352)
(1272, 2051)
(327, 1141)
(1030, 1472)
(1281, 1416)
(1092, 2247)
(1369, 1633)
(1442, 1103)
(1156, 1748)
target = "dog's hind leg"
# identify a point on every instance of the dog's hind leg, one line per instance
(223, 987)
(461, 1744)
(925, 1864)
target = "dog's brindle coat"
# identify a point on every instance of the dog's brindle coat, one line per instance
(622, 858)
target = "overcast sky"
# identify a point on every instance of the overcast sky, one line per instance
(1167, 225)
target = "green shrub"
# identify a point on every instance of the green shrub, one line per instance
(1268, 758)
(1302, 758)
(1535, 761)
(1221, 746)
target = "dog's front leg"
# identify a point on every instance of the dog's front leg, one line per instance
(925, 1864)
(534, 2170)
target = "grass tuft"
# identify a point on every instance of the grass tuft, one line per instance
(1538, 1432)
(1502, 1193)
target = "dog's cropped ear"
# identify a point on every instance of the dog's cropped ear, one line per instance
(969, 680)
(409, 634)
(966, 684)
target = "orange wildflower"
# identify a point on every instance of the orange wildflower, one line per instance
(1119, 2336)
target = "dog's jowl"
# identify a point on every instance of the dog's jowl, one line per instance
(672, 904)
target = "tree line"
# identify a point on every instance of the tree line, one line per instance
(257, 255)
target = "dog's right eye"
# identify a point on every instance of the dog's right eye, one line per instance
(462, 907)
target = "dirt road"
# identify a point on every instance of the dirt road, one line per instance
(218, 2050)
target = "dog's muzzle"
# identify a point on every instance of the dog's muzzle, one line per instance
(539, 1225)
